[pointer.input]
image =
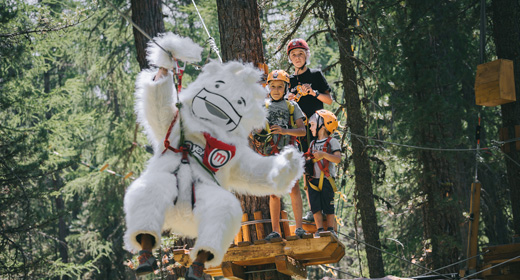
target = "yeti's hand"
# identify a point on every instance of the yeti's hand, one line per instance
(287, 168)
(181, 48)
(258, 175)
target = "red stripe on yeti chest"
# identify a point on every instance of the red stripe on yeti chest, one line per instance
(217, 153)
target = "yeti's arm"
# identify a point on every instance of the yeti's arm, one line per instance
(155, 104)
(156, 97)
(254, 174)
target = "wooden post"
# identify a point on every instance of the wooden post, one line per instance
(474, 211)
(260, 232)
(246, 233)
(285, 225)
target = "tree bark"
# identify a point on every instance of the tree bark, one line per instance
(147, 14)
(363, 176)
(241, 39)
(240, 33)
(506, 34)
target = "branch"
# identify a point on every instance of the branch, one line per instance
(50, 29)
(299, 22)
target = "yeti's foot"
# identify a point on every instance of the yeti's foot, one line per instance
(147, 263)
(195, 272)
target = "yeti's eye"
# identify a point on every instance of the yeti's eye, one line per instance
(241, 101)
(219, 82)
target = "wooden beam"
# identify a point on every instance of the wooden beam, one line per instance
(290, 266)
(285, 225)
(260, 232)
(301, 249)
(246, 233)
(233, 271)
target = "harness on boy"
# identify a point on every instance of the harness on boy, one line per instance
(324, 168)
(266, 137)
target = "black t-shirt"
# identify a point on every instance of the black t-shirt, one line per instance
(308, 103)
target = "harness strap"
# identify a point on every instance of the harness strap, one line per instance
(325, 172)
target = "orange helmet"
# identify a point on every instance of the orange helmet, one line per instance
(328, 119)
(278, 75)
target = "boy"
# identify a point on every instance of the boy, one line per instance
(308, 87)
(325, 153)
(285, 122)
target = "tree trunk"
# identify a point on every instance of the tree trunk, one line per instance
(363, 176)
(240, 33)
(506, 34)
(241, 39)
(147, 14)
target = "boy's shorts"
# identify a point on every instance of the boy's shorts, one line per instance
(324, 200)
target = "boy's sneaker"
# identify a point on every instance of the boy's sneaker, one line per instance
(195, 272)
(332, 232)
(300, 232)
(309, 217)
(272, 235)
(317, 234)
(147, 263)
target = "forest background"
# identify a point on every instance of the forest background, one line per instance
(70, 144)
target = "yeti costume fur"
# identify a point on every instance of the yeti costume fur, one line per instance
(219, 109)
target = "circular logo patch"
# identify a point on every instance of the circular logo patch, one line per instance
(217, 158)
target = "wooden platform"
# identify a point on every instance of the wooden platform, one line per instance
(290, 256)
(500, 254)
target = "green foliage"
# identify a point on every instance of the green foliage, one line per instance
(67, 74)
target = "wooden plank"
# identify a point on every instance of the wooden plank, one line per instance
(494, 83)
(290, 266)
(285, 225)
(246, 233)
(260, 231)
(232, 271)
(487, 72)
(244, 244)
(507, 81)
(214, 271)
(335, 257)
(261, 241)
(502, 252)
(182, 256)
(301, 249)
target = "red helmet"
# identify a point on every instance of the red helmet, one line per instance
(297, 44)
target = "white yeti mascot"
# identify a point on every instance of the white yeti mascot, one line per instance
(189, 192)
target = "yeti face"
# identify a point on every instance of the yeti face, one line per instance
(227, 99)
(216, 108)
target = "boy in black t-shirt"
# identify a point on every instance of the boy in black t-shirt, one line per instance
(309, 88)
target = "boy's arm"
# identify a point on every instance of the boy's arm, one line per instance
(323, 97)
(335, 157)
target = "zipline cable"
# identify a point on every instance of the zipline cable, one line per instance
(455, 263)
(498, 264)
(211, 40)
(394, 255)
(419, 147)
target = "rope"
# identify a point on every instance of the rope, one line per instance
(499, 264)
(211, 41)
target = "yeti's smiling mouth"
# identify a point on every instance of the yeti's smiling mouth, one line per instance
(215, 108)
